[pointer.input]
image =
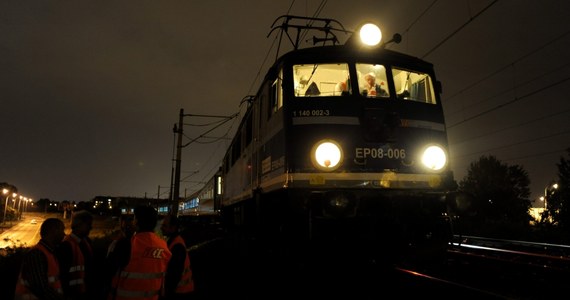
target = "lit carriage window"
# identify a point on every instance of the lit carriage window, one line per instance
(413, 85)
(372, 81)
(321, 80)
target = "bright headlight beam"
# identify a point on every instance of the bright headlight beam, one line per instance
(326, 155)
(370, 34)
(434, 158)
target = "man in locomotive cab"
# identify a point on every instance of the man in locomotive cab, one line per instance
(343, 87)
(301, 85)
(371, 89)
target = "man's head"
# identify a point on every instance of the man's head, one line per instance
(52, 231)
(81, 223)
(170, 225)
(370, 79)
(145, 218)
(128, 225)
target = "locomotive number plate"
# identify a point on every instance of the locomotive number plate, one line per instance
(311, 113)
(380, 153)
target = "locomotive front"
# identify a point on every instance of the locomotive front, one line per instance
(342, 143)
(366, 145)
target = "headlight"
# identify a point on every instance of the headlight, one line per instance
(434, 158)
(326, 155)
(370, 34)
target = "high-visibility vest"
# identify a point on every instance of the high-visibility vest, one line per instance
(186, 283)
(143, 277)
(22, 285)
(77, 268)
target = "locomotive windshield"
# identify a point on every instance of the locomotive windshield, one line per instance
(321, 80)
(413, 85)
(325, 80)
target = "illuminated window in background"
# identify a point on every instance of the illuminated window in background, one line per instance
(321, 80)
(190, 204)
(127, 211)
(413, 85)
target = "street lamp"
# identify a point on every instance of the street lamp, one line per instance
(21, 206)
(26, 205)
(7, 193)
(18, 211)
(546, 190)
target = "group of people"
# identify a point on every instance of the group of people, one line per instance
(139, 264)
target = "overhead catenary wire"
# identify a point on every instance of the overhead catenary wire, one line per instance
(499, 70)
(253, 84)
(516, 99)
(459, 29)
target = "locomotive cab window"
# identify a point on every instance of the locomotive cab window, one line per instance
(415, 86)
(321, 80)
(372, 82)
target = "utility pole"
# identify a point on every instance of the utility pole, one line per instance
(157, 197)
(179, 146)
(7, 192)
(174, 130)
(176, 192)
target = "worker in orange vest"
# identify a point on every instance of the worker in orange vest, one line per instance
(39, 274)
(179, 283)
(118, 251)
(141, 275)
(75, 257)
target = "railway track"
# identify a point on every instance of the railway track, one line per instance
(504, 268)
(475, 268)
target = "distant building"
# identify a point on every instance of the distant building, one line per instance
(123, 205)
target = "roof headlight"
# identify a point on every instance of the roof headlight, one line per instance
(370, 34)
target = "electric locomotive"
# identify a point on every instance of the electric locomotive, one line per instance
(342, 142)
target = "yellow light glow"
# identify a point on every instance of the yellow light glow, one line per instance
(370, 34)
(326, 155)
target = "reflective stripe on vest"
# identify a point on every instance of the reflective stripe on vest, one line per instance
(74, 282)
(77, 270)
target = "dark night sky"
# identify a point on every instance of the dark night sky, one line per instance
(90, 90)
